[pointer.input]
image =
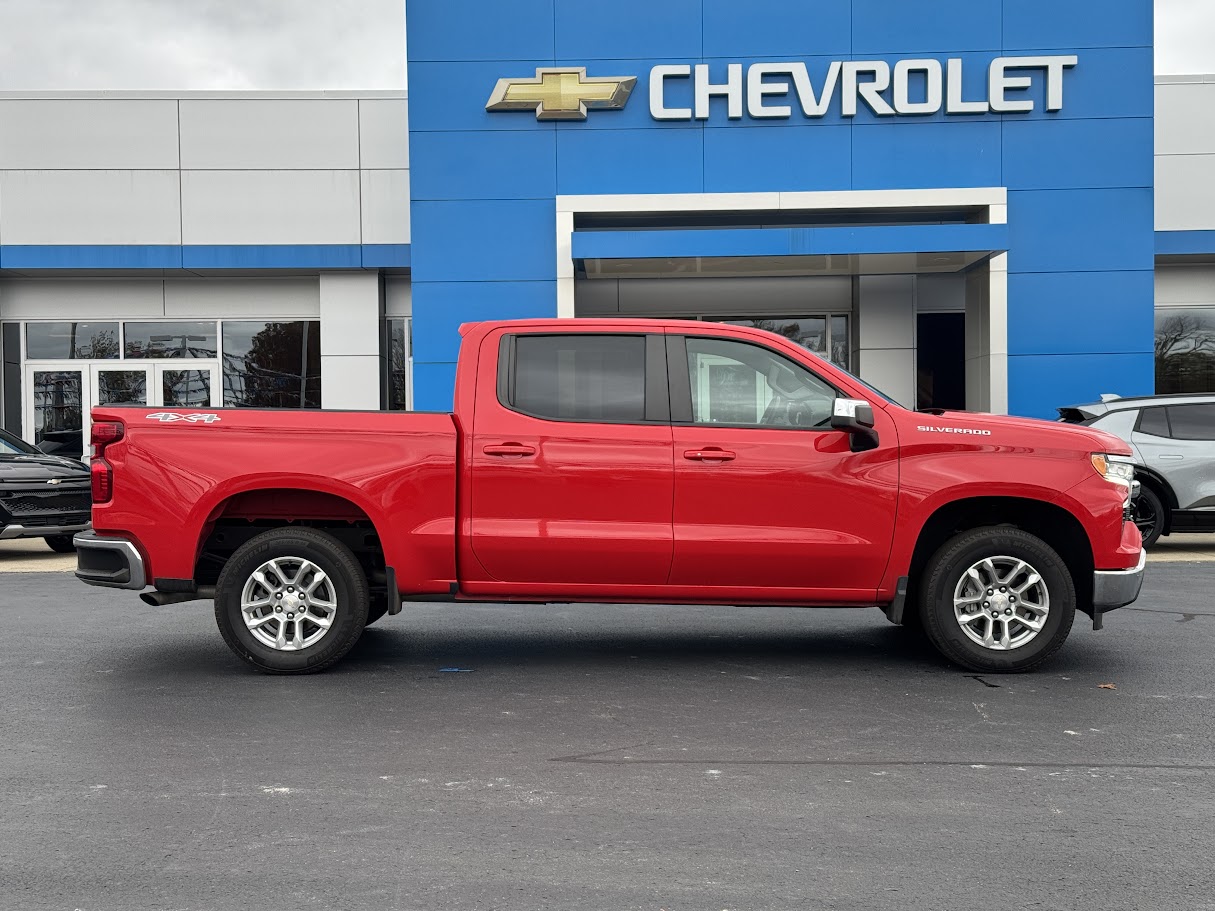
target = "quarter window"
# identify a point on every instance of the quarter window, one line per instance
(737, 383)
(1192, 422)
(1154, 422)
(580, 377)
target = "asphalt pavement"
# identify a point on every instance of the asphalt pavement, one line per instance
(492, 757)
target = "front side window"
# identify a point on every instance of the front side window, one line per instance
(1192, 422)
(742, 384)
(580, 377)
(826, 336)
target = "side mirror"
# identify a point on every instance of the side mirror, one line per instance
(855, 418)
(851, 415)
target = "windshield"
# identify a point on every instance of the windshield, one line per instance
(10, 445)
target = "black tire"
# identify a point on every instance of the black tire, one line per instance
(944, 573)
(378, 608)
(60, 544)
(349, 589)
(1149, 514)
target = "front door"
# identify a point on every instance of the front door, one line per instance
(770, 502)
(570, 488)
(57, 405)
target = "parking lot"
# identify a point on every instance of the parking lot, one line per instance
(592, 757)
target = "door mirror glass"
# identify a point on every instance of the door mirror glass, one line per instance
(852, 415)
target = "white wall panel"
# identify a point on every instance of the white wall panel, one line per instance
(242, 298)
(270, 207)
(1184, 121)
(384, 133)
(81, 298)
(88, 134)
(89, 207)
(310, 134)
(936, 293)
(350, 381)
(1181, 285)
(351, 310)
(1185, 192)
(398, 296)
(385, 207)
(887, 311)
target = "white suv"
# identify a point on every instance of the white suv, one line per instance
(1174, 441)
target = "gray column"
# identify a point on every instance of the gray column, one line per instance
(885, 313)
(352, 309)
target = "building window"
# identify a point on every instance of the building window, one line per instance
(164, 339)
(272, 365)
(71, 341)
(826, 335)
(399, 348)
(1185, 350)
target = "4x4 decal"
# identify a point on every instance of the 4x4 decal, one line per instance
(169, 417)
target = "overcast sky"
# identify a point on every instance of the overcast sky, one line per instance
(308, 44)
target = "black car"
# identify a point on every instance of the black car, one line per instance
(41, 495)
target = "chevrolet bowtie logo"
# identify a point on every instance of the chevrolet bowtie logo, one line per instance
(561, 93)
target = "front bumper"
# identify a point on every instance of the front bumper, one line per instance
(1115, 588)
(109, 562)
(39, 531)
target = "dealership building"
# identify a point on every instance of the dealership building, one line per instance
(994, 207)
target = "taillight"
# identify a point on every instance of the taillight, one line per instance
(105, 433)
(102, 478)
(101, 475)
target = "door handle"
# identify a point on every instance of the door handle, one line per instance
(711, 454)
(1171, 456)
(507, 450)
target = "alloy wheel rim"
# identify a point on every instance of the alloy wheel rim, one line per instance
(1001, 603)
(288, 604)
(1144, 516)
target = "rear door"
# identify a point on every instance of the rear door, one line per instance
(571, 479)
(770, 502)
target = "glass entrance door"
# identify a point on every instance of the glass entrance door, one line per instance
(57, 408)
(180, 386)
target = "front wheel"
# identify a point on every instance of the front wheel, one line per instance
(1149, 515)
(291, 601)
(997, 599)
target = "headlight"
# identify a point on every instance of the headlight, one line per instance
(1115, 468)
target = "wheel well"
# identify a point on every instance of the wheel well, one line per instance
(246, 515)
(1053, 524)
(1162, 489)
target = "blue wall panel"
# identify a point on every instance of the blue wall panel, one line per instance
(1068, 24)
(737, 30)
(914, 155)
(1080, 155)
(476, 30)
(498, 165)
(883, 27)
(1060, 312)
(457, 95)
(454, 303)
(606, 161)
(1080, 230)
(1038, 384)
(629, 28)
(484, 240)
(739, 159)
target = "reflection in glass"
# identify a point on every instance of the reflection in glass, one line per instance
(1185, 350)
(58, 415)
(186, 388)
(825, 336)
(165, 338)
(122, 387)
(272, 365)
(71, 341)
(398, 365)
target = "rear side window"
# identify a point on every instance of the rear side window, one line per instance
(580, 377)
(1192, 422)
(1154, 422)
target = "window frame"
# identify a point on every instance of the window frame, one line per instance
(682, 412)
(656, 404)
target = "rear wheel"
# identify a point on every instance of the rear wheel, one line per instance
(1149, 515)
(60, 544)
(997, 599)
(291, 601)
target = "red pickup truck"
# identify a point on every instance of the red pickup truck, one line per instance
(618, 461)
